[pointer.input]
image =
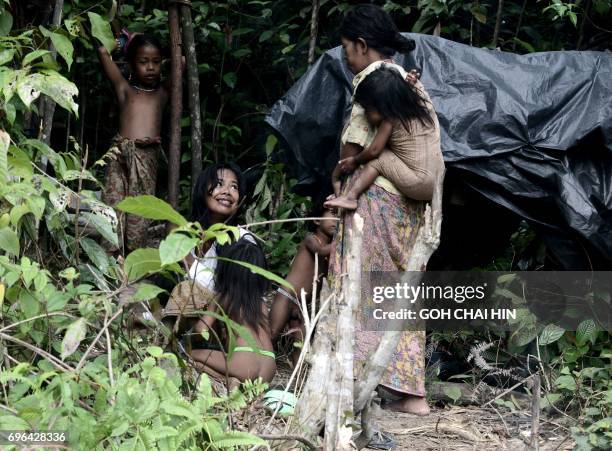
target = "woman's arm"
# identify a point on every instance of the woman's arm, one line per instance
(113, 74)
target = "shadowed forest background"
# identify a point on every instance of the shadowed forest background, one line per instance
(59, 288)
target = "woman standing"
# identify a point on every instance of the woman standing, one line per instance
(391, 221)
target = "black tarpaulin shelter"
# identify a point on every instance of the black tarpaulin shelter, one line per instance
(531, 133)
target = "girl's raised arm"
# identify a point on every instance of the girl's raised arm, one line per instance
(113, 74)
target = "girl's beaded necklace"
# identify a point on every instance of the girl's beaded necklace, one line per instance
(140, 88)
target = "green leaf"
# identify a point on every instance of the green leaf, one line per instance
(103, 226)
(479, 13)
(51, 83)
(452, 392)
(5, 142)
(145, 292)
(176, 409)
(262, 272)
(11, 112)
(13, 423)
(527, 46)
(566, 382)
(101, 30)
(260, 184)
(241, 31)
(230, 79)
(175, 248)
(287, 49)
(73, 27)
(6, 55)
(6, 23)
(141, 262)
(549, 399)
(36, 205)
(241, 53)
(74, 335)
(62, 44)
(96, 253)
(151, 207)
(271, 142)
(34, 55)
(234, 439)
(266, 35)
(9, 241)
(587, 330)
(155, 351)
(550, 334)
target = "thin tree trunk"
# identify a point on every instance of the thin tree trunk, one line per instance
(193, 92)
(519, 24)
(176, 97)
(314, 25)
(500, 6)
(48, 105)
(310, 411)
(587, 10)
(535, 413)
(340, 396)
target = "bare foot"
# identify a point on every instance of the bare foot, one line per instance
(416, 405)
(341, 202)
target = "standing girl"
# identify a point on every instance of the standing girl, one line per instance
(132, 169)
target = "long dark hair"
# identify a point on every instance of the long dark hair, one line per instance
(207, 180)
(138, 41)
(375, 27)
(239, 290)
(385, 91)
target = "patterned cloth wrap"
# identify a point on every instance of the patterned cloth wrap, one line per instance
(131, 171)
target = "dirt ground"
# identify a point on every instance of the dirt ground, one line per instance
(469, 428)
(452, 427)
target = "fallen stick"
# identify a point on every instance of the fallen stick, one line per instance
(440, 427)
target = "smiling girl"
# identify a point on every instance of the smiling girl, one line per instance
(218, 193)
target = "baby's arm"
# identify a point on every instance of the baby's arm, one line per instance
(378, 144)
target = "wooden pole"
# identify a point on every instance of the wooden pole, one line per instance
(535, 412)
(176, 97)
(314, 25)
(48, 105)
(338, 432)
(310, 411)
(500, 6)
(193, 93)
